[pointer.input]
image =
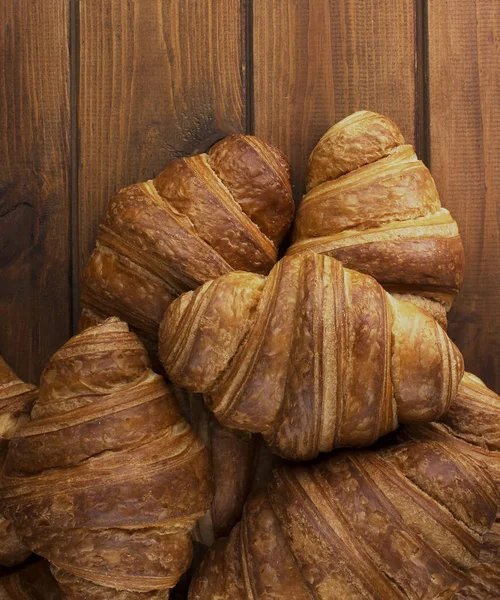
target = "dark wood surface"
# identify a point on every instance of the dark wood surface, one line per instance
(97, 95)
(35, 235)
(464, 111)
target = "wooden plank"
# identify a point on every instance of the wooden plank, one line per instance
(34, 184)
(158, 80)
(316, 61)
(464, 105)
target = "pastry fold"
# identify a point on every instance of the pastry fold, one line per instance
(472, 427)
(399, 524)
(314, 356)
(16, 400)
(374, 206)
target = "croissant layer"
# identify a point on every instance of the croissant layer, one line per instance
(471, 426)
(16, 400)
(360, 525)
(315, 356)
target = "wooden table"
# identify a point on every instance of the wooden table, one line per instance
(96, 94)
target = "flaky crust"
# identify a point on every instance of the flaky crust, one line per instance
(315, 356)
(232, 454)
(374, 206)
(201, 217)
(400, 524)
(16, 400)
(107, 479)
(472, 427)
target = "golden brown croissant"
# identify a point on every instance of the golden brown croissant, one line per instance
(34, 582)
(374, 206)
(107, 479)
(233, 455)
(16, 399)
(315, 356)
(472, 425)
(400, 524)
(203, 216)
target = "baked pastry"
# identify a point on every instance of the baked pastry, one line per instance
(201, 217)
(233, 456)
(107, 479)
(472, 425)
(373, 205)
(398, 524)
(314, 356)
(16, 400)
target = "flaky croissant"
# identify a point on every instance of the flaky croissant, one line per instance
(472, 426)
(201, 217)
(400, 524)
(16, 400)
(374, 206)
(107, 479)
(314, 356)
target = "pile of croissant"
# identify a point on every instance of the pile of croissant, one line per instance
(216, 399)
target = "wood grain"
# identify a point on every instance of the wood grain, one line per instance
(34, 190)
(158, 80)
(464, 95)
(316, 61)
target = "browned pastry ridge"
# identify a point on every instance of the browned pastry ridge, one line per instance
(401, 524)
(16, 400)
(201, 217)
(314, 356)
(373, 205)
(472, 425)
(34, 582)
(107, 479)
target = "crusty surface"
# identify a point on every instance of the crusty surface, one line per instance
(107, 479)
(434, 308)
(315, 356)
(472, 426)
(360, 525)
(201, 217)
(231, 452)
(34, 582)
(357, 140)
(16, 400)
(374, 206)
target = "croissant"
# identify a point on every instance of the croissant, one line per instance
(374, 206)
(233, 456)
(404, 523)
(34, 582)
(107, 479)
(315, 356)
(201, 217)
(472, 427)
(16, 399)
